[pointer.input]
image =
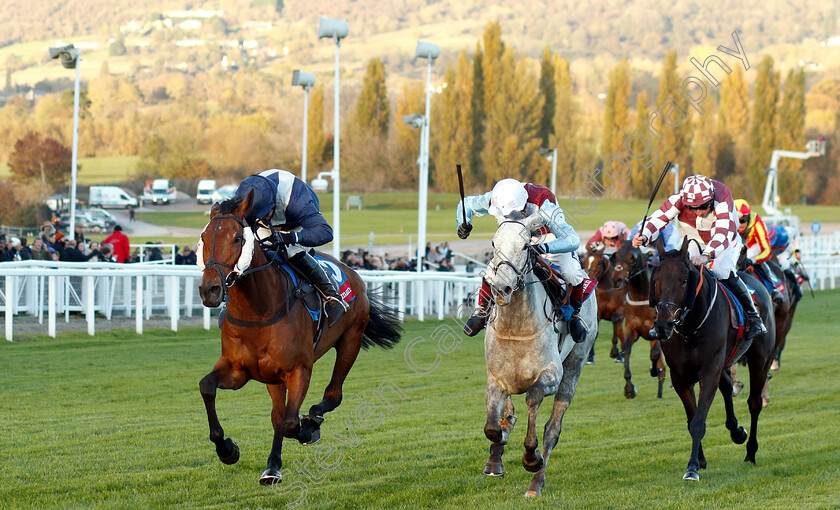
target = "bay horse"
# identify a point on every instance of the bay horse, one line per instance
(698, 340)
(524, 353)
(268, 334)
(610, 301)
(631, 277)
(783, 313)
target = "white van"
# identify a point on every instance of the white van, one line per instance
(204, 191)
(110, 196)
(163, 192)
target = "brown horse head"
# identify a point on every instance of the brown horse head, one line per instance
(673, 289)
(225, 248)
(596, 264)
(629, 262)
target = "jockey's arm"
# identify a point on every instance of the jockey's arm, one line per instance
(597, 238)
(724, 230)
(567, 240)
(476, 205)
(315, 231)
(759, 249)
(661, 218)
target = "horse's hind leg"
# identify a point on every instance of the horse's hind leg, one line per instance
(346, 350)
(758, 377)
(738, 434)
(629, 339)
(272, 473)
(494, 465)
(225, 377)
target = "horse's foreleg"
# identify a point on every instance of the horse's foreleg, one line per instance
(657, 365)
(546, 384)
(497, 429)
(709, 382)
(225, 377)
(618, 335)
(630, 338)
(272, 473)
(738, 434)
(297, 384)
(758, 378)
(551, 434)
(689, 401)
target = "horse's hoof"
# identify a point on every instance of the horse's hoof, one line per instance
(631, 393)
(691, 476)
(532, 465)
(230, 446)
(270, 477)
(614, 353)
(532, 494)
(313, 438)
(494, 470)
(750, 458)
(654, 371)
(775, 365)
(620, 358)
(765, 402)
(739, 435)
(737, 386)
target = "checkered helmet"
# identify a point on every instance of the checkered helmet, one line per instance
(697, 190)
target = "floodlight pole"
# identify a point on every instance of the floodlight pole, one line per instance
(423, 201)
(74, 165)
(554, 171)
(675, 169)
(305, 131)
(336, 163)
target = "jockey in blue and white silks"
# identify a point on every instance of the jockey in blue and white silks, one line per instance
(668, 234)
(287, 212)
(511, 199)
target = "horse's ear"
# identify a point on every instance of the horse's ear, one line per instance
(660, 248)
(684, 248)
(246, 205)
(215, 209)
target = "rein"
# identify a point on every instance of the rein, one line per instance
(679, 312)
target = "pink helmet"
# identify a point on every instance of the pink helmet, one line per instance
(612, 229)
(697, 190)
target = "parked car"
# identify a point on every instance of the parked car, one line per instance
(224, 193)
(103, 217)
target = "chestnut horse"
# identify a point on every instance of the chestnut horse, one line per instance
(693, 323)
(610, 301)
(632, 278)
(268, 334)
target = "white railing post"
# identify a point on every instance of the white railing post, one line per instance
(206, 318)
(139, 307)
(10, 306)
(87, 286)
(174, 303)
(52, 298)
(440, 295)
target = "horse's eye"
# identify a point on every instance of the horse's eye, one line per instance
(238, 239)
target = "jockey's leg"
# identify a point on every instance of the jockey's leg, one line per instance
(573, 273)
(306, 264)
(770, 276)
(478, 319)
(795, 288)
(724, 269)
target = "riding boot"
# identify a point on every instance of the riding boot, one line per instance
(754, 324)
(577, 327)
(478, 319)
(794, 284)
(770, 276)
(305, 263)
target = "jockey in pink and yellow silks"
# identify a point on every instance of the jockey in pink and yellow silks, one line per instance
(511, 199)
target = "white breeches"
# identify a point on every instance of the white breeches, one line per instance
(724, 264)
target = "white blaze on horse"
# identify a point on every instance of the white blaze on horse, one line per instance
(524, 353)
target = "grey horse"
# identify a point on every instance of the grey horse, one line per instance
(525, 354)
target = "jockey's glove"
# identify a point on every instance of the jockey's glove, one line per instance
(541, 249)
(287, 238)
(464, 230)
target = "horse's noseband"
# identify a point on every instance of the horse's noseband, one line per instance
(229, 279)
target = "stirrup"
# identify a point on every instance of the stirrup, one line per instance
(341, 302)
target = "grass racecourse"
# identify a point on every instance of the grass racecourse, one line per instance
(116, 421)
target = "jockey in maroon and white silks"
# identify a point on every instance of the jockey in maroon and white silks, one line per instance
(705, 211)
(511, 199)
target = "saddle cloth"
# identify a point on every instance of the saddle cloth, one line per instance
(305, 290)
(737, 316)
(769, 285)
(558, 290)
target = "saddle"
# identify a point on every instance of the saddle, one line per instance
(558, 290)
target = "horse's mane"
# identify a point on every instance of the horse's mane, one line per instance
(230, 205)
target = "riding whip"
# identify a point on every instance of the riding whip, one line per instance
(461, 187)
(653, 195)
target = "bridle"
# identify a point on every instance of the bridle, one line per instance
(678, 312)
(632, 270)
(603, 262)
(503, 261)
(242, 266)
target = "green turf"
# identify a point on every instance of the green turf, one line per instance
(95, 171)
(116, 421)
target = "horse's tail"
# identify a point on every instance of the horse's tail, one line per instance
(384, 328)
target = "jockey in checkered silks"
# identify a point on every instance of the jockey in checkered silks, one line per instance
(514, 200)
(705, 211)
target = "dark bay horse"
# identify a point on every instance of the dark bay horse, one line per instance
(783, 312)
(692, 318)
(610, 301)
(632, 278)
(268, 334)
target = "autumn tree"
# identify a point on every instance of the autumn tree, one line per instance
(513, 120)
(616, 116)
(548, 91)
(763, 125)
(316, 136)
(564, 126)
(478, 115)
(643, 179)
(675, 144)
(373, 109)
(792, 136)
(453, 132)
(40, 160)
(404, 171)
(703, 141)
(734, 116)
